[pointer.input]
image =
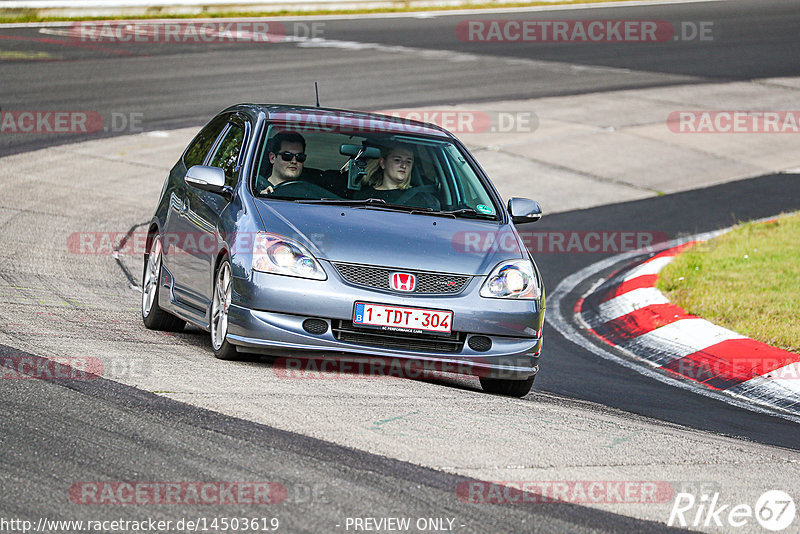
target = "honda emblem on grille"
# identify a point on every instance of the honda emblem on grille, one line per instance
(404, 281)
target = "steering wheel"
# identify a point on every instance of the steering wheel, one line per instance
(275, 187)
(283, 184)
(414, 191)
(301, 189)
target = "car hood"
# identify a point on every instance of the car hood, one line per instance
(393, 239)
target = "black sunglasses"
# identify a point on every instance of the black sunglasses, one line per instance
(287, 156)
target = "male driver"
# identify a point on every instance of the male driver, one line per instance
(287, 154)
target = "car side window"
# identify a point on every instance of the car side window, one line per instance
(196, 153)
(227, 154)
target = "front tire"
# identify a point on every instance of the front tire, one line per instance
(509, 388)
(220, 305)
(153, 316)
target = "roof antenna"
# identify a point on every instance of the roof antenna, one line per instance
(316, 90)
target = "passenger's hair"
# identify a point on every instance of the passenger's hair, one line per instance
(285, 137)
(376, 177)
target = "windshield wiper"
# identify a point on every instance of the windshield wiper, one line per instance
(468, 212)
(380, 204)
(340, 201)
(369, 203)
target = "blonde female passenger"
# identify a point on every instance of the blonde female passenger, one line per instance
(391, 180)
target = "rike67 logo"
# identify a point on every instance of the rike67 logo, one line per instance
(774, 510)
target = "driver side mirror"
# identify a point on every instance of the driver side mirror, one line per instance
(524, 210)
(208, 179)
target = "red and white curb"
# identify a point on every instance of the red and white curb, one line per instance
(663, 341)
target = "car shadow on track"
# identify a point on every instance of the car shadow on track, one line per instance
(339, 366)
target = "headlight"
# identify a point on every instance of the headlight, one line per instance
(512, 279)
(280, 255)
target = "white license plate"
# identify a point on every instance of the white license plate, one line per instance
(402, 318)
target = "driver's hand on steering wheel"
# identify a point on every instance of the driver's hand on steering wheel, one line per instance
(269, 189)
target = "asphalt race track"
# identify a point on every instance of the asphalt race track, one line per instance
(345, 449)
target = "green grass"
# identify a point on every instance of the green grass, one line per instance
(33, 15)
(747, 280)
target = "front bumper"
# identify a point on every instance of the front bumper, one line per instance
(282, 334)
(268, 312)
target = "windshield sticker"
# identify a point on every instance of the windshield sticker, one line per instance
(483, 208)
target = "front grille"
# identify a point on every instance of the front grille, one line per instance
(346, 332)
(379, 278)
(480, 343)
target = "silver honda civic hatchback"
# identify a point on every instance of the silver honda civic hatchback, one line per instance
(322, 233)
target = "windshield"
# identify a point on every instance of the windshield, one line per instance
(372, 170)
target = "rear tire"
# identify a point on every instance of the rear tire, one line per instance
(153, 316)
(509, 388)
(220, 304)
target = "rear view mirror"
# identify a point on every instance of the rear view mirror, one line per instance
(524, 210)
(357, 166)
(360, 151)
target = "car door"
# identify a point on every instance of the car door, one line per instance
(205, 214)
(177, 233)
